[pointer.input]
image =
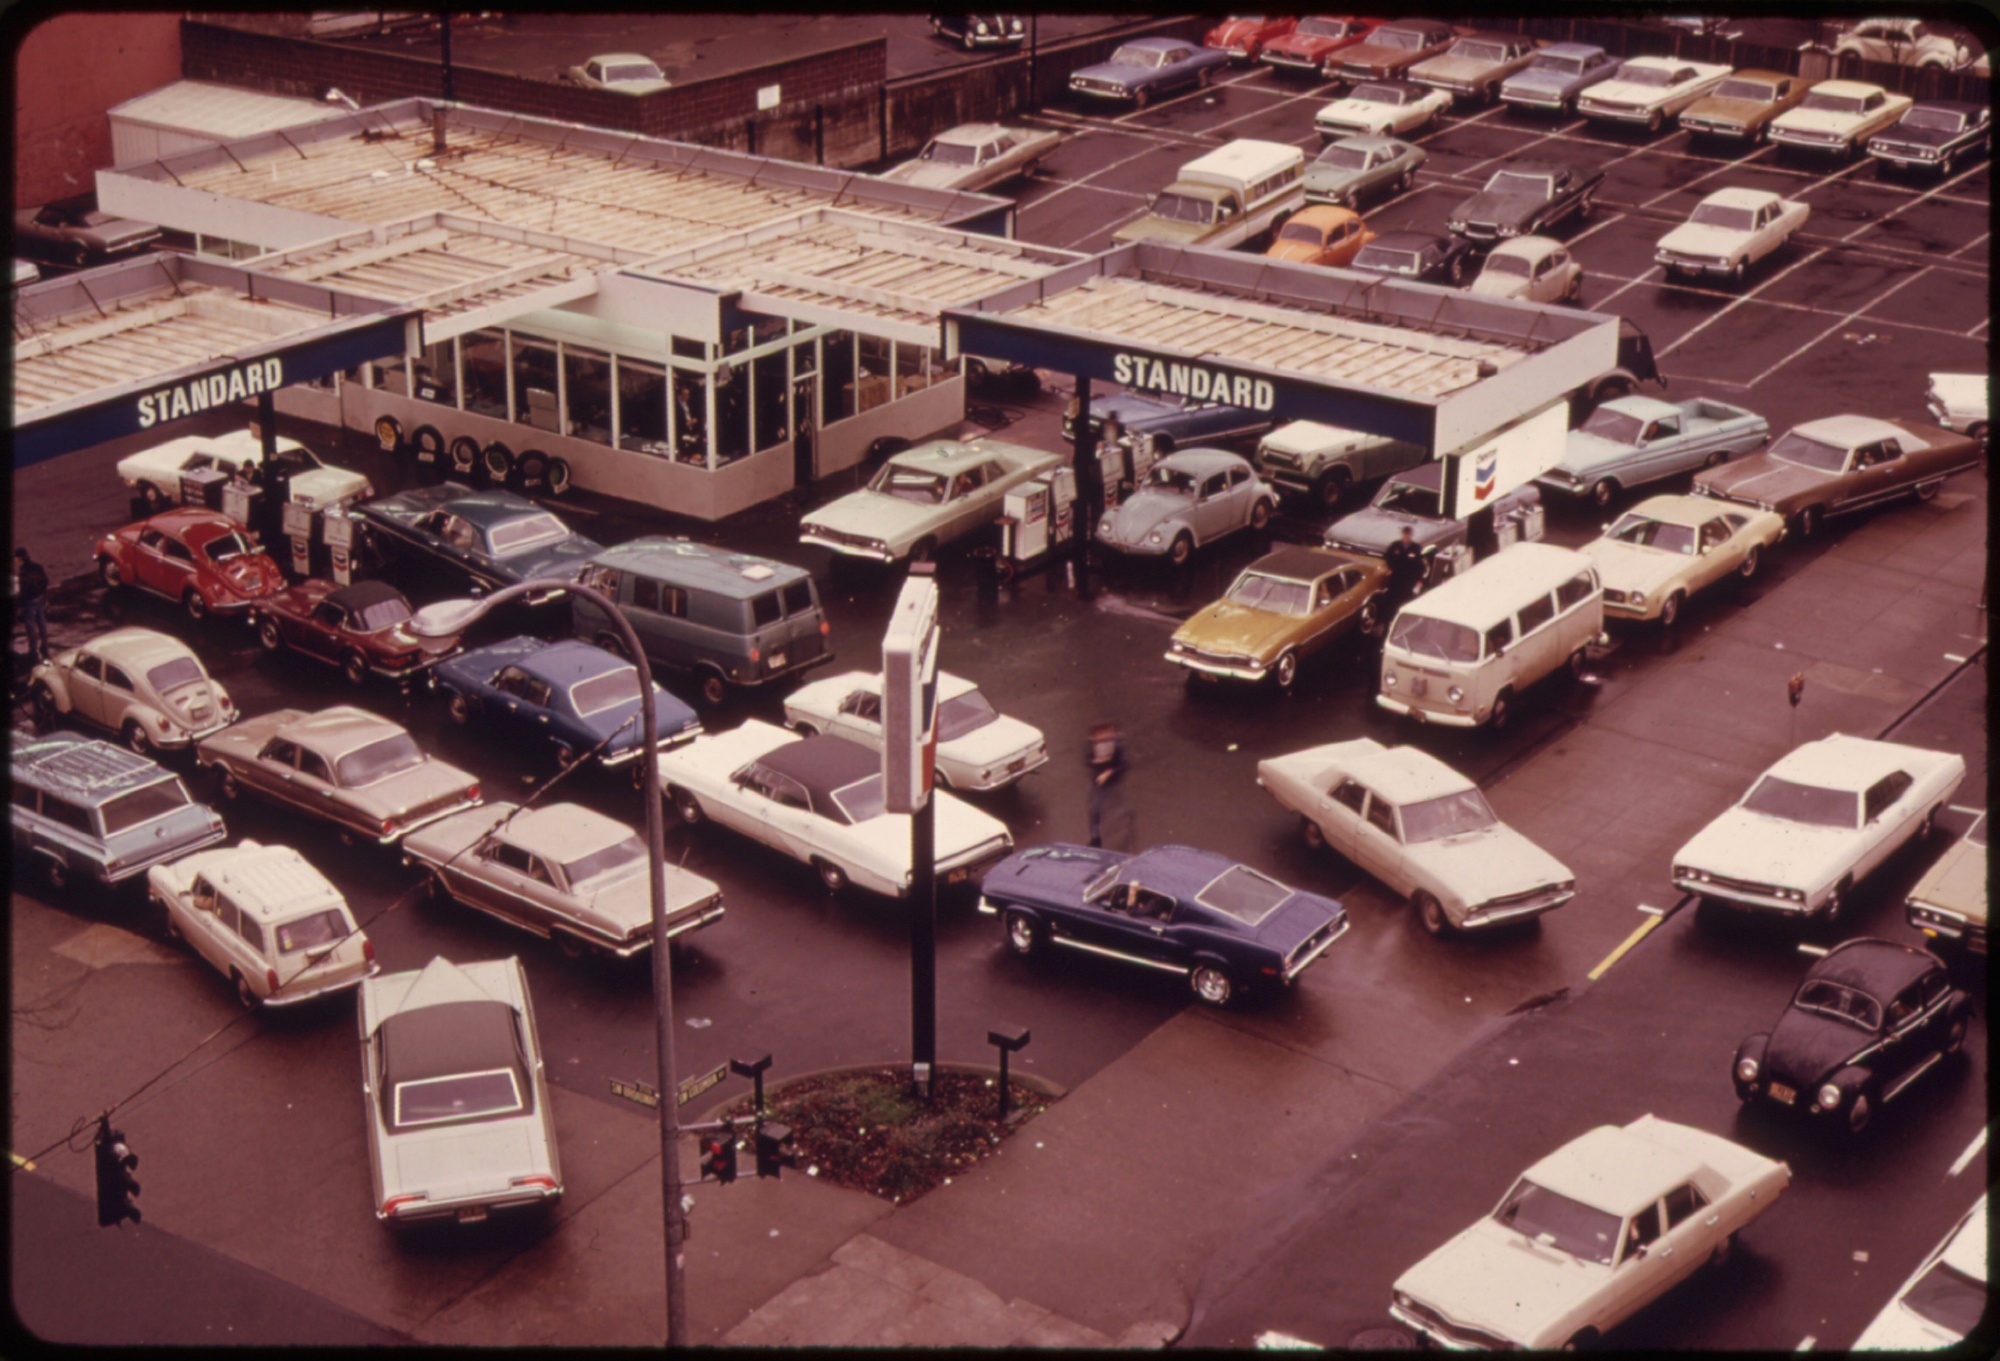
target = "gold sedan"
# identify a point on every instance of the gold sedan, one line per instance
(1668, 547)
(1285, 605)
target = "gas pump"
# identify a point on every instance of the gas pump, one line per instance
(338, 530)
(1037, 518)
(297, 523)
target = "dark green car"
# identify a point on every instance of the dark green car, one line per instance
(1354, 167)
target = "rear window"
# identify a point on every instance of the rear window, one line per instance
(462, 1096)
(606, 691)
(313, 930)
(799, 597)
(141, 805)
(1244, 894)
(765, 609)
(379, 760)
(179, 671)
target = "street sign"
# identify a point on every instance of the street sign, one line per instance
(695, 1086)
(909, 696)
(635, 1091)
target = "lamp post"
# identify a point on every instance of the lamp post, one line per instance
(448, 617)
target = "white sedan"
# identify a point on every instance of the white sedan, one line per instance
(630, 73)
(155, 473)
(1421, 828)
(820, 800)
(924, 498)
(978, 748)
(1666, 548)
(1838, 116)
(1650, 90)
(975, 156)
(1379, 108)
(1599, 1228)
(1943, 1300)
(1729, 231)
(1816, 823)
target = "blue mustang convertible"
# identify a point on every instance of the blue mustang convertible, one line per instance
(568, 695)
(494, 537)
(1225, 926)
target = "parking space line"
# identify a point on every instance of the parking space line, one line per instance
(1839, 322)
(1971, 1152)
(1644, 929)
(1959, 807)
(1933, 192)
(1737, 302)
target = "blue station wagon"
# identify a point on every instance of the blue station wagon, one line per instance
(88, 810)
(1224, 926)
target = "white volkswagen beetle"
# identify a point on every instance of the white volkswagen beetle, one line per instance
(978, 748)
(145, 686)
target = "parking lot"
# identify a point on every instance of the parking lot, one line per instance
(1273, 1166)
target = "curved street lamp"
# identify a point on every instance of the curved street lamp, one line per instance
(447, 618)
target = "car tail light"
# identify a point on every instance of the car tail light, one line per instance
(368, 949)
(388, 827)
(545, 1182)
(271, 979)
(824, 628)
(755, 655)
(395, 1203)
(1268, 969)
(472, 792)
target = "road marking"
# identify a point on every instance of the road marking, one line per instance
(1971, 1152)
(28, 1164)
(1638, 935)
(1954, 657)
(1807, 1344)
(1961, 808)
(1652, 911)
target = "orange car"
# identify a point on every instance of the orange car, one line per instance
(1322, 234)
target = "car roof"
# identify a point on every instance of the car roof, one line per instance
(1957, 106)
(738, 575)
(1487, 587)
(1528, 247)
(569, 660)
(196, 524)
(1405, 775)
(80, 766)
(1321, 213)
(1740, 197)
(949, 456)
(564, 831)
(971, 133)
(1692, 511)
(1850, 429)
(1838, 761)
(1181, 871)
(338, 730)
(609, 58)
(273, 882)
(1202, 460)
(1613, 1170)
(138, 647)
(1880, 968)
(1853, 89)
(822, 764)
(362, 594)
(1409, 240)
(1569, 50)
(1298, 563)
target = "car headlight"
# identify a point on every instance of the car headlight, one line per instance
(1455, 694)
(980, 27)
(1455, 224)
(1154, 537)
(1104, 527)
(1637, 597)
(1508, 229)
(1829, 1096)
(1746, 1070)
(1389, 681)
(1014, 25)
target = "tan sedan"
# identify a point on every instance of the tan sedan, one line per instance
(1666, 548)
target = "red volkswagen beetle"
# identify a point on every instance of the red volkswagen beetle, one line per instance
(201, 558)
(1243, 36)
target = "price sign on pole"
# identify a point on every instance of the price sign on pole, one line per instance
(909, 696)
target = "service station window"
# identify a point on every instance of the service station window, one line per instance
(435, 373)
(587, 393)
(485, 357)
(690, 416)
(642, 406)
(771, 391)
(837, 363)
(535, 401)
(913, 369)
(871, 380)
(732, 411)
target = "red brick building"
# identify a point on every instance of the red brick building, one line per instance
(69, 69)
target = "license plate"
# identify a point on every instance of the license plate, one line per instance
(777, 660)
(1780, 1092)
(472, 1214)
(1015, 767)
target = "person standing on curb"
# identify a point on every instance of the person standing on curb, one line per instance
(31, 603)
(1104, 757)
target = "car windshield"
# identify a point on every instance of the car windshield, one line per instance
(1556, 1221)
(1407, 39)
(1168, 479)
(644, 70)
(1563, 66)
(529, 531)
(1827, 103)
(1343, 158)
(1744, 89)
(1617, 426)
(378, 760)
(1655, 76)
(383, 614)
(1497, 263)
(1182, 208)
(1724, 215)
(1824, 997)
(1410, 499)
(1137, 56)
(949, 153)
(1310, 233)
(462, 1096)
(230, 545)
(179, 671)
(1515, 183)
(1244, 894)
(312, 930)
(910, 484)
(860, 801)
(1378, 94)
(1948, 1297)
(1438, 638)
(615, 861)
(155, 800)
(1255, 591)
(1806, 803)
(607, 691)
(1647, 532)
(1472, 51)
(1937, 120)
(1389, 261)
(1449, 815)
(1323, 28)
(1805, 452)
(962, 714)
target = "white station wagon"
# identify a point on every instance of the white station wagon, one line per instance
(925, 497)
(1599, 1228)
(1421, 828)
(978, 748)
(266, 919)
(1816, 823)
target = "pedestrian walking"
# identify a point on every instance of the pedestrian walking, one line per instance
(31, 603)
(1405, 559)
(1104, 757)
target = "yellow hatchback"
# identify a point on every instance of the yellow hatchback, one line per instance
(1284, 606)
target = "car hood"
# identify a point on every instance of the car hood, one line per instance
(1237, 630)
(873, 514)
(1803, 119)
(1703, 238)
(990, 742)
(1767, 850)
(1453, 68)
(1540, 82)
(1235, 30)
(449, 1163)
(1371, 530)
(1330, 179)
(929, 174)
(1379, 57)
(1616, 91)
(1309, 45)
(1114, 74)
(1144, 511)
(1150, 228)
(1904, 135)
(1494, 862)
(1355, 113)
(1806, 1048)
(1743, 111)
(1491, 1278)
(1763, 478)
(1053, 874)
(1957, 882)
(1633, 567)
(1495, 207)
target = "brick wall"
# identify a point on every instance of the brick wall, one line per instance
(68, 70)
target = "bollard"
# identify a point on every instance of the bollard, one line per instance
(1007, 1042)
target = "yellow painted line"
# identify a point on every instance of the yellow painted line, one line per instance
(1637, 935)
(25, 1164)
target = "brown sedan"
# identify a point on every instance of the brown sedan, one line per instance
(1743, 105)
(346, 765)
(1839, 464)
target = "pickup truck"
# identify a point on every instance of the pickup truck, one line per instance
(1635, 440)
(1323, 461)
(1234, 193)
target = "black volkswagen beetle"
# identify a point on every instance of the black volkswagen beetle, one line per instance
(1870, 1018)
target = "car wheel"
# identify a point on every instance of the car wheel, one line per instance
(1371, 617)
(804, 729)
(1260, 514)
(1927, 490)
(1311, 833)
(1602, 491)
(496, 463)
(830, 874)
(1582, 1342)
(1141, 97)
(1737, 271)
(464, 455)
(43, 711)
(1211, 985)
(196, 607)
(1023, 937)
(1655, 120)
(1286, 670)
(1928, 827)
(569, 943)
(226, 787)
(1503, 710)
(55, 872)
(713, 688)
(1586, 205)
(1456, 270)
(269, 634)
(1860, 1112)
(244, 993)
(1835, 902)
(173, 931)
(1720, 1252)
(1670, 609)
(1954, 1035)
(1181, 550)
(614, 644)
(566, 756)
(459, 707)
(1405, 180)
(924, 549)
(1431, 913)
(389, 434)
(108, 569)
(1809, 522)
(155, 499)
(354, 666)
(136, 737)
(1751, 561)
(689, 807)
(1332, 487)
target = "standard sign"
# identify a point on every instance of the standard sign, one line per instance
(695, 1086)
(1199, 381)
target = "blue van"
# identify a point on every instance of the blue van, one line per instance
(84, 809)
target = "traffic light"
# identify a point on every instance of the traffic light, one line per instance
(115, 1183)
(774, 1150)
(718, 1156)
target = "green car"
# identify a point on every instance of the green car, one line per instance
(1354, 166)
